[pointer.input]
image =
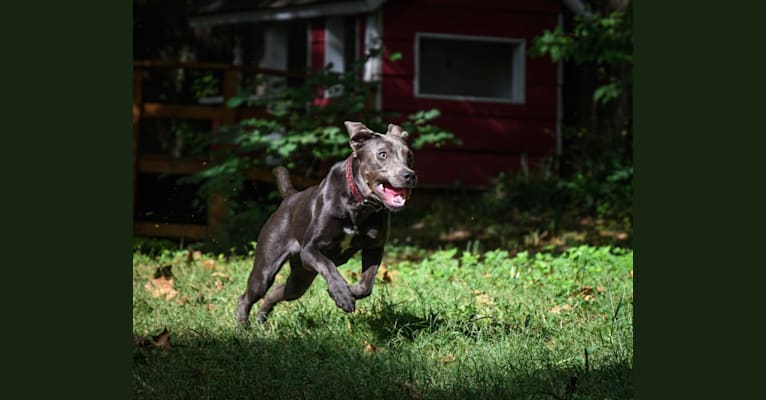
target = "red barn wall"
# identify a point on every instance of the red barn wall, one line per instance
(494, 135)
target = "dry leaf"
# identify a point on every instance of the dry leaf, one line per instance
(162, 340)
(162, 284)
(484, 300)
(209, 264)
(369, 347)
(460, 234)
(221, 275)
(388, 275)
(218, 285)
(450, 357)
(622, 236)
(559, 309)
(585, 290)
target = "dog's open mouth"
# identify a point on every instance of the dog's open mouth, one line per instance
(393, 197)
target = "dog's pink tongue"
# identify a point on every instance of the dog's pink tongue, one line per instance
(394, 196)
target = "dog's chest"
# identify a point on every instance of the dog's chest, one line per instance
(350, 233)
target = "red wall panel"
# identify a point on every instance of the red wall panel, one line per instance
(494, 134)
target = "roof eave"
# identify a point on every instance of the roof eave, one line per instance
(302, 12)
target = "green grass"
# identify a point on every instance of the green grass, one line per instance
(445, 324)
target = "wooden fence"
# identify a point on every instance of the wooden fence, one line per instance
(215, 111)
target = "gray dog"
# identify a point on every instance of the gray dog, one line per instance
(321, 227)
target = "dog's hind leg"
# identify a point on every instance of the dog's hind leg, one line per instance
(265, 268)
(298, 282)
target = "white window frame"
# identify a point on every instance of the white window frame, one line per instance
(518, 95)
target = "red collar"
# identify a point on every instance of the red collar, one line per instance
(350, 181)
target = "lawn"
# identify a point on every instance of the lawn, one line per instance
(440, 324)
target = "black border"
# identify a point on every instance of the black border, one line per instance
(66, 198)
(699, 134)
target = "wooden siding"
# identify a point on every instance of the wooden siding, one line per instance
(494, 134)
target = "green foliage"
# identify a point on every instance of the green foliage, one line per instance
(300, 131)
(204, 84)
(444, 324)
(607, 194)
(605, 40)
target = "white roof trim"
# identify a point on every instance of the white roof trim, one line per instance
(310, 11)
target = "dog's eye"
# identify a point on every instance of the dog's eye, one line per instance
(382, 154)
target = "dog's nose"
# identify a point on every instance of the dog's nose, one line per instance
(410, 177)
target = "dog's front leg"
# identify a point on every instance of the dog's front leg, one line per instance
(337, 286)
(370, 263)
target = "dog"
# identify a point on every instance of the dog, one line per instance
(321, 227)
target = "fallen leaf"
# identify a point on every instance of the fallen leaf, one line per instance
(460, 234)
(218, 285)
(209, 264)
(484, 300)
(448, 358)
(369, 347)
(162, 284)
(622, 236)
(162, 340)
(220, 275)
(388, 275)
(559, 309)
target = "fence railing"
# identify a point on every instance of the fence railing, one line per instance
(207, 102)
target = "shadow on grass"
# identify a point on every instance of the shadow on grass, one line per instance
(321, 365)
(387, 323)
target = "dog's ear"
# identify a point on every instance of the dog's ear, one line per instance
(358, 134)
(397, 130)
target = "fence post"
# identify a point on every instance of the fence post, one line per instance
(217, 203)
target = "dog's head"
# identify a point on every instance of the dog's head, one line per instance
(385, 163)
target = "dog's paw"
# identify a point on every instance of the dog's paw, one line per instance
(343, 297)
(360, 291)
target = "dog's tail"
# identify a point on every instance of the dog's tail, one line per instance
(283, 182)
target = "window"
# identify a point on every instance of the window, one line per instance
(469, 67)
